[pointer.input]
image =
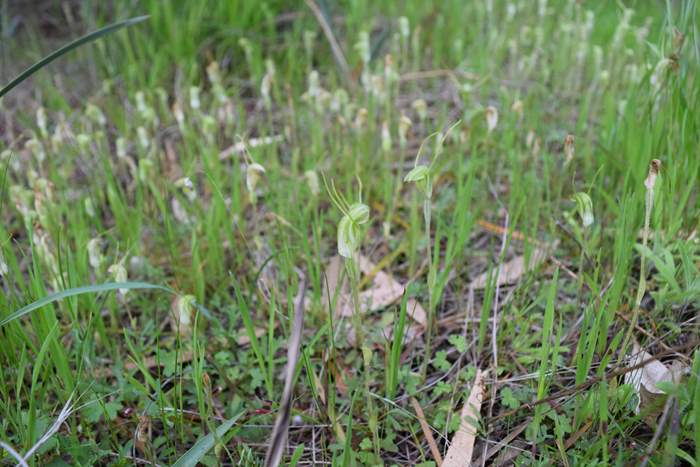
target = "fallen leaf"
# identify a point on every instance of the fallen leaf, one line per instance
(511, 271)
(462, 447)
(383, 291)
(645, 381)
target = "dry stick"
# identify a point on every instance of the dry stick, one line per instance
(278, 440)
(335, 47)
(427, 431)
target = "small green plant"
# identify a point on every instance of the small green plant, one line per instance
(423, 175)
(349, 239)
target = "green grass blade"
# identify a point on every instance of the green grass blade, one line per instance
(54, 297)
(67, 48)
(204, 444)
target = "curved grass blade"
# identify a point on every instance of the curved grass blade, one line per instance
(204, 444)
(67, 48)
(54, 297)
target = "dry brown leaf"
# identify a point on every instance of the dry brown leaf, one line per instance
(513, 270)
(427, 432)
(460, 452)
(645, 382)
(143, 435)
(383, 291)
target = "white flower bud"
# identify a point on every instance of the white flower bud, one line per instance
(404, 125)
(3, 265)
(95, 257)
(183, 309)
(118, 272)
(144, 140)
(421, 108)
(386, 137)
(491, 118)
(363, 47)
(95, 114)
(41, 121)
(121, 147)
(36, 148)
(568, 148)
(252, 175)
(584, 205)
(312, 182)
(194, 98)
(404, 27)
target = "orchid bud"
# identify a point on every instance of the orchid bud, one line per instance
(35, 147)
(265, 86)
(584, 206)
(3, 265)
(179, 115)
(421, 108)
(179, 213)
(95, 257)
(309, 39)
(145, 170)
(95, 114)
(183, 309)
(121, 148)
(517, 107)
(360, 118)
(83, 141)
(349, 229)
(491, 118)
(89, 207)
(247, 47)
(404, 125)
(363, 47)
(118, 272)
(41, 121)
(252, 175)
(312, 182)
(569, 148)
(143, 137)
(420, 175)
(404, 27)
(187, 187)
(386, 137)
(194, 98)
